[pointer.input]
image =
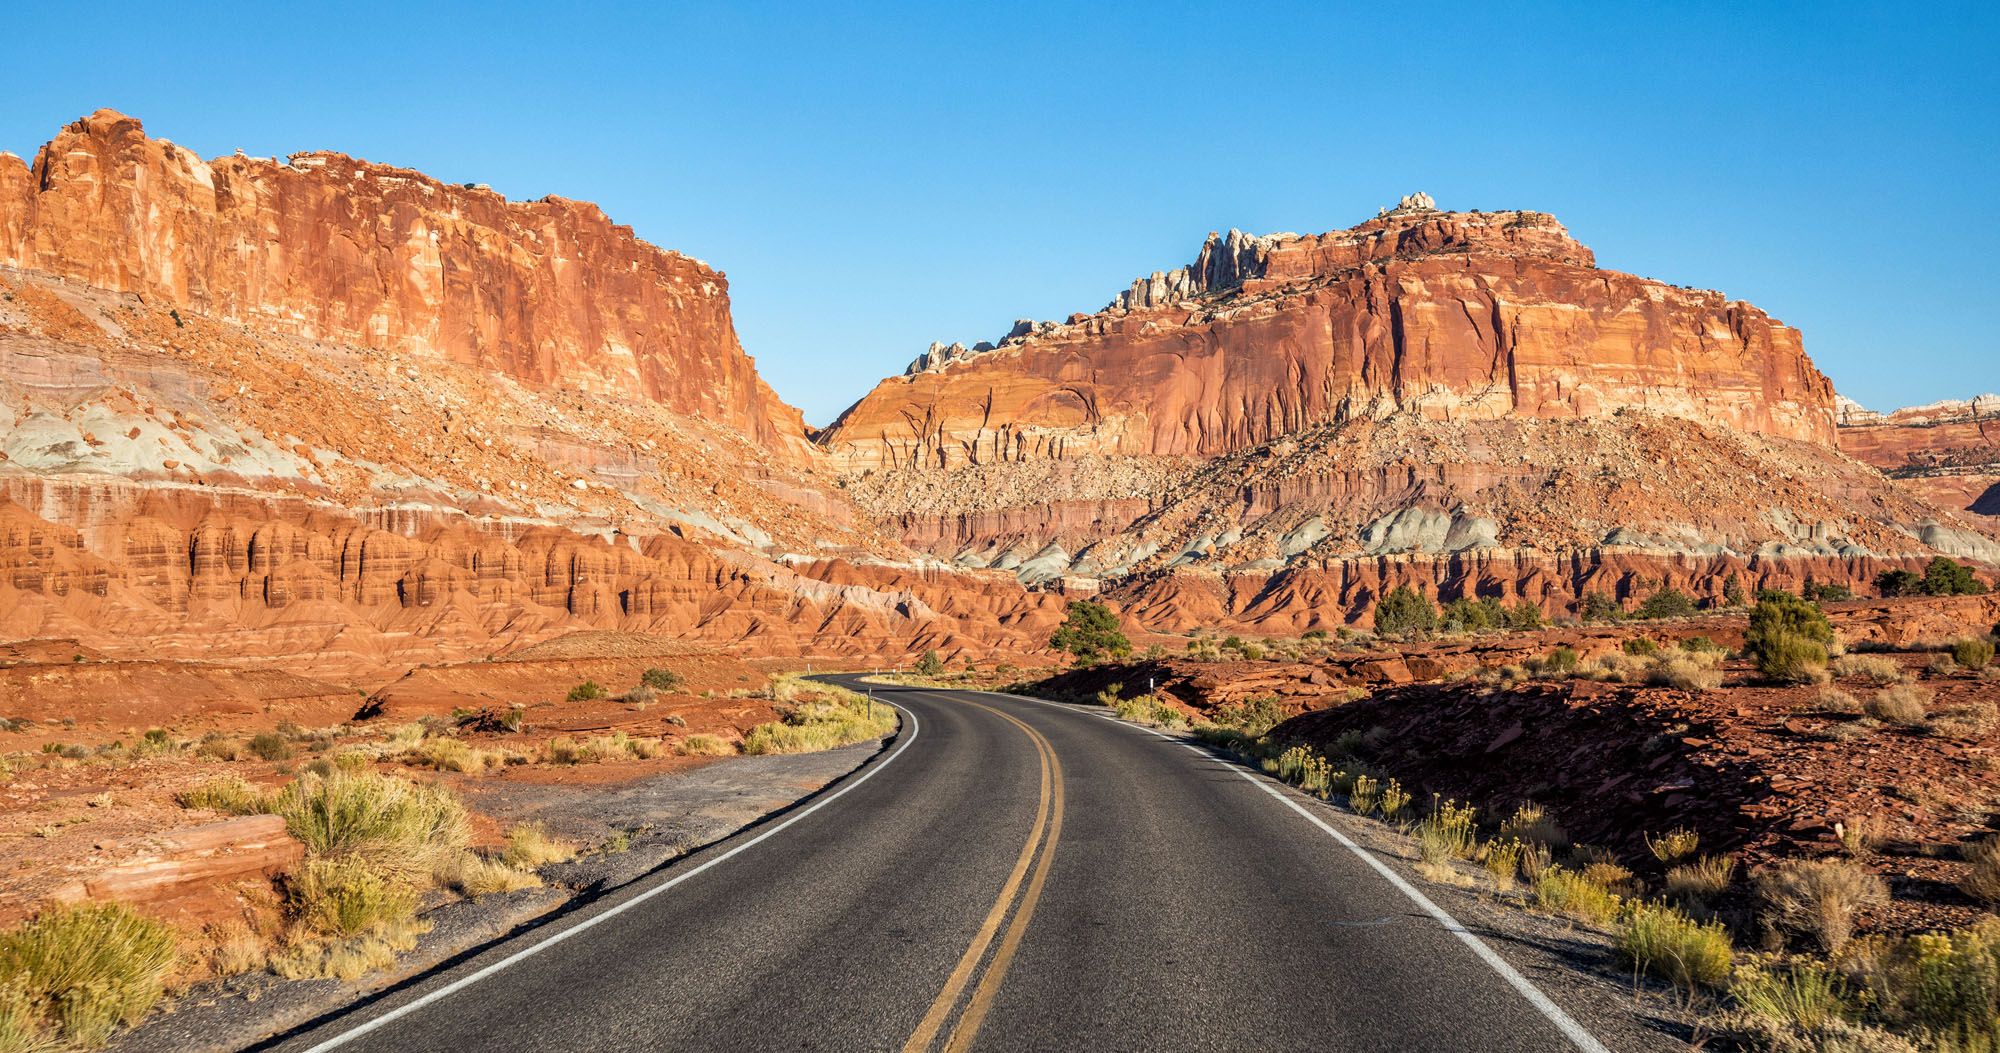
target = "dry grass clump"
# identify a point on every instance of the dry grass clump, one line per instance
(1688, 671)
(1663, 943)
(1449, 833)
(1904, 705)
(642, 696)
(449, 754)
(1982, 875)
(402, 829)
(1561, 892)
(1502, 860)
(599, 749)
(1145, 709)
(1818, 898)
(472, 874)
(77, 973)
(228, 794)
(1867, 666)
(825, 718)
(1973, 720)
(530, 846)
(1674, 845)
(350, 958)
(1532, 825)
(346, 897)
(1701, 880)
(706, 746)
(1832, 700)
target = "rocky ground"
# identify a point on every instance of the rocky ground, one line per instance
(1761, 771)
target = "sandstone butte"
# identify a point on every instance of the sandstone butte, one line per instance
(344, 418)
(1464, 402)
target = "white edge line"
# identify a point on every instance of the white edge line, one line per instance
(469, 979)
(1575, 1032)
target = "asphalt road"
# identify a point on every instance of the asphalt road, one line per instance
(1006, 875)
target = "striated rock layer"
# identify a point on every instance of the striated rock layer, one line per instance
(1426, 385)
(1949, 452)
(330, 248)
(1449, 316)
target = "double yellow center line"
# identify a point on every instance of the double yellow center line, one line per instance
(1048, 820)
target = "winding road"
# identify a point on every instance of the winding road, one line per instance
(1005, 875)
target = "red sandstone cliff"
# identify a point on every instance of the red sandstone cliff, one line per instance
(1460, 316)
(331, 248)
(1949, 452)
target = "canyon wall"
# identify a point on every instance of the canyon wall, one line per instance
(1450, 316)
(1947, 451)
(331, 248)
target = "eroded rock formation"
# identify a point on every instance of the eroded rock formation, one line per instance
(1450, 316)
(1948, 451)
(331, 248)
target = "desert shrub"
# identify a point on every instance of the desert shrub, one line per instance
(1873, 667)
(529, 846)
(1363, 795)
(1972, 653)
(1898, 583)
(1833, 700)
(1825, 593)
(85, 970)
(1502, 859)
(1948, 577)
(1982, 874)
(1531, 824)
(1686, 672)
(706, 746)
(1904, 705)
(492, 720)
(1562, 660)
(1252, 717)
(929, 664)
(1666, 944)
(1640, 647)
(346, 897)
(1597, 607)
(1818, 898)
(1788, 637)
(1090, 631)
(1972, 720)
(1448, 833)
(1674, 845)
(227, 794)
(1701, 880)
(270, 746)
(350, 958)
(1666, 603)
(588, 691)
(1524, 615)
(1805, 1003)
(1404, 610)
(1149, 709)
(1561, 892)
(661, 680)
(449, 754)
(401, 829)
(641, 696)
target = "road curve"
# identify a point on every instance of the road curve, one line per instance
(1006, 875)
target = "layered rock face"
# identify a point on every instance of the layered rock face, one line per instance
(1949, 451)
(342, 418)
(1449, 316)
(334, 249)
(1290, 425)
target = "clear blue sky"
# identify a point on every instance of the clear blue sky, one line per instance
(874, 178)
